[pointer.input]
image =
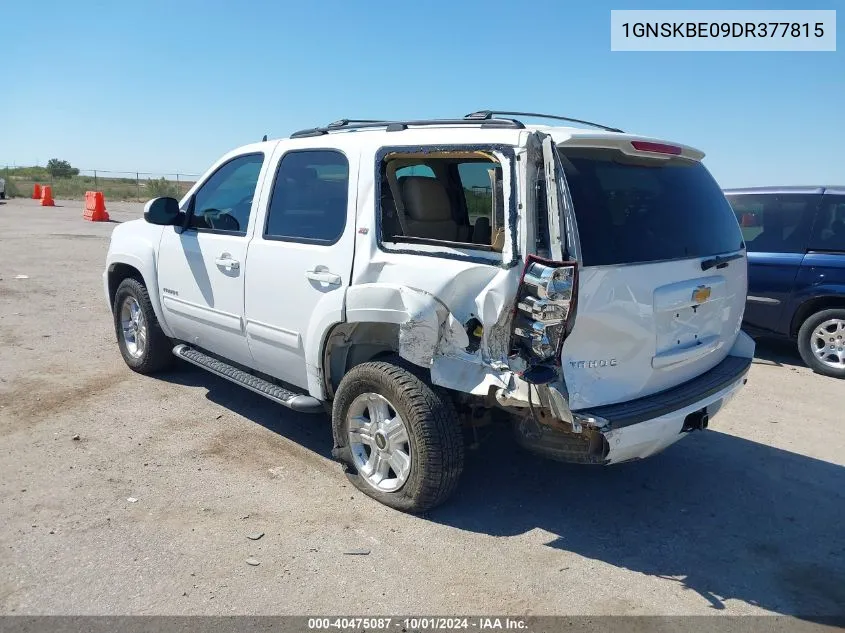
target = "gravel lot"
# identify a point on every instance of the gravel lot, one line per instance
(745, 518)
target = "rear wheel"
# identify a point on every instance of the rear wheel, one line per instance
(821, 342)
(399, 439)
(143, 345)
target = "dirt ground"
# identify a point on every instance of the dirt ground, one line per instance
(149, 510)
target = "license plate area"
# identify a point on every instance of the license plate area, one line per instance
(688, 314)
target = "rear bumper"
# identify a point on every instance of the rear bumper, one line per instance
(695, 393)
(638, 440)
(646, 426)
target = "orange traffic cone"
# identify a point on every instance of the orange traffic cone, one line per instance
(36, 191)
(95, 207)
(47, 197)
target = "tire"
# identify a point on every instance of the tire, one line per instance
(2, 195)
(809, 339)
(153, 351)
(435, 448)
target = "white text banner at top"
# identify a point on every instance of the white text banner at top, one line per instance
(728, 30)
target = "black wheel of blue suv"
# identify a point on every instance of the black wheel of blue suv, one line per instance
(821, 342)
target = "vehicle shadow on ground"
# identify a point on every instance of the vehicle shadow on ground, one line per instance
(777, 352)
(309, 430)
(725, 517)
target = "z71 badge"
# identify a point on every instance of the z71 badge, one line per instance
(590, 364)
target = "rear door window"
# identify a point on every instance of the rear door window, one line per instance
(638, 210)
(775, 223)
(309, 199)
(829, 229)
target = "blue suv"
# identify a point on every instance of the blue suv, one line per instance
(796, 268)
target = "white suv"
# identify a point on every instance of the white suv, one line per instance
(412, 277)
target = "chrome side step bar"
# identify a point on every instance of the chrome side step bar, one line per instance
(296, 401)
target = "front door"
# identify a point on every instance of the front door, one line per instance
(200, 268)
(300, 260)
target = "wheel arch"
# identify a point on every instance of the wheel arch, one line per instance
(143, 270)
(382, 319)
(814, 304)
(118, 272)
(352, 343)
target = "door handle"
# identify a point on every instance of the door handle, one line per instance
(323, 276)
(226, 261)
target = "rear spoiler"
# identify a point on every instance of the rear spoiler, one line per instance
(631, 145)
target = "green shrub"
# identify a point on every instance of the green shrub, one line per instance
(161, 187)
(61, 168)
(30, 173)
(11, 189)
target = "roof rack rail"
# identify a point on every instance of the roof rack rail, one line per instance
(344, 122)
(395, 126)
(484, 115)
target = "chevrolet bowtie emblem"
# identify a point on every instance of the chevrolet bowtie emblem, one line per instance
(701, 294)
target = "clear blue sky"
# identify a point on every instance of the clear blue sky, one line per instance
(167, 85)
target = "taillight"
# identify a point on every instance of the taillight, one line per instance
(656, 148)
(545, 308)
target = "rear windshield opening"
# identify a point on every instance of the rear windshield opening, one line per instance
(636, 210)
(448, 198)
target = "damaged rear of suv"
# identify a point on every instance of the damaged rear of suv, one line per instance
(417, 276)
(656, 348)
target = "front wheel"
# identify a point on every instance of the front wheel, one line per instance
(143, 345)
(399, 439)
(821, 342)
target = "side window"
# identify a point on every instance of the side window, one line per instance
(309, 200)
(775, 223)
(478, 180)
(223, 202)
(829, 230)
(453, 197)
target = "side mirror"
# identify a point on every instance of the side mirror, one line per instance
(163, 211)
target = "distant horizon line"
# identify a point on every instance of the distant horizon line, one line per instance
(14, 165)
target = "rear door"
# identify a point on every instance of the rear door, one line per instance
(656, 308)
(776, 228)
(300, 259)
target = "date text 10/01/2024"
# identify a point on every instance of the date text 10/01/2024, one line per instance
(414, 623)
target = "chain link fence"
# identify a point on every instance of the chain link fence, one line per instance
(115, 185)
